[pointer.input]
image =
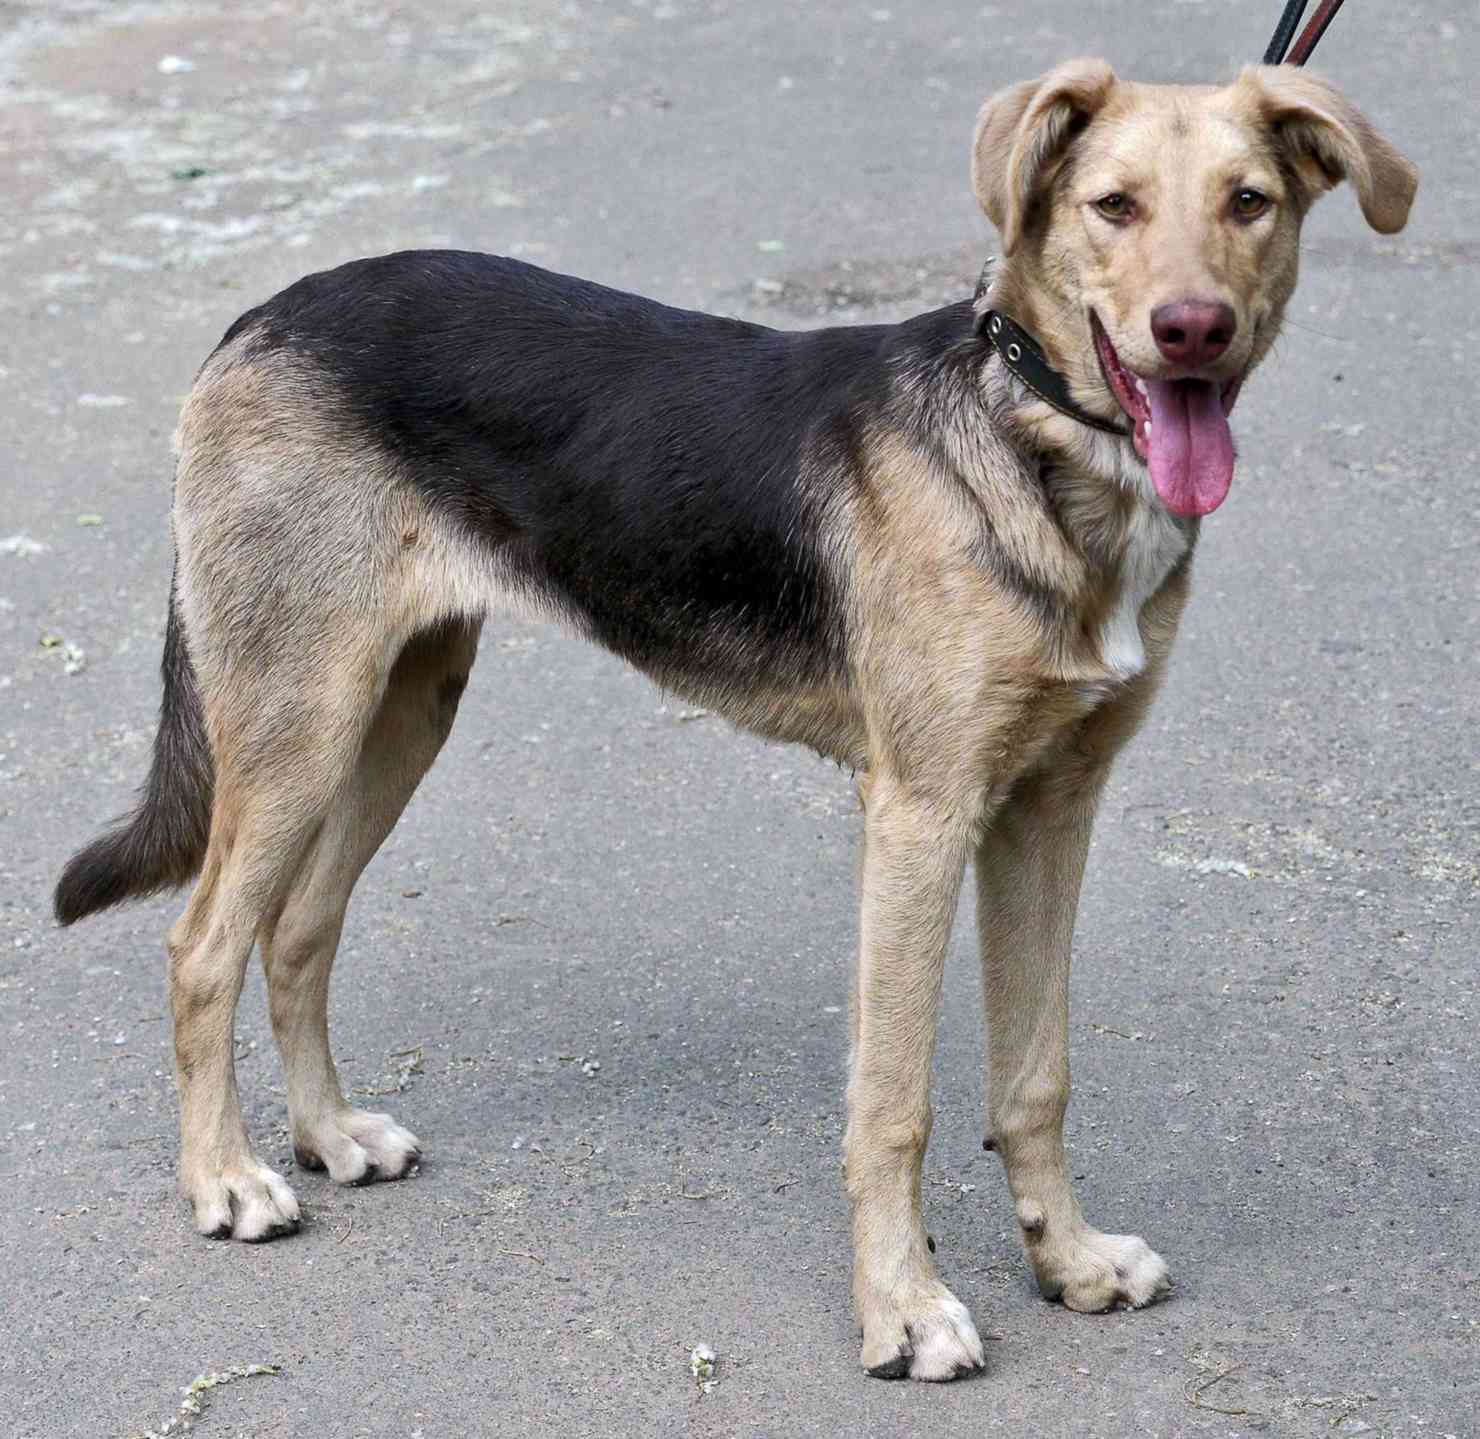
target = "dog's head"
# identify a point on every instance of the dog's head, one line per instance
(1150, 238)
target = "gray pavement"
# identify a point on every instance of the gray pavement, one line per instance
(1274, 1032)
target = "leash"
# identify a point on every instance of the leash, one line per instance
(1310, 37)
(1019, 351)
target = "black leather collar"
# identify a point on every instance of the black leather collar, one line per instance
(1024, 356)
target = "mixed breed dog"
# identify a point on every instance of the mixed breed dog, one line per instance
(883, 542)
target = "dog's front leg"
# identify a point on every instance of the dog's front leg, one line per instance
(914, 857)
(1029, 869)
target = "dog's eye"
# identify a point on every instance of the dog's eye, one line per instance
(1115, 206)
(1250, 204)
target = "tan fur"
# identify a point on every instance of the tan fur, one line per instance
(1179, 149)
(332, 617)
(964, 693)
(325, 616)
(985, 733)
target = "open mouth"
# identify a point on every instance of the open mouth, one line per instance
(1180, 428)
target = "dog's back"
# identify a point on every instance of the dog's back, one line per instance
(659, 476)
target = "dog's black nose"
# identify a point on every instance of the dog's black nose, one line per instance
(1193, 332)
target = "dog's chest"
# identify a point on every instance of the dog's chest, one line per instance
(1154, 543)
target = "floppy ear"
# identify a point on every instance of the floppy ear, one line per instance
(1022, 131)
(1329, 140)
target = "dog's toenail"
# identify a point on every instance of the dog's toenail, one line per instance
(896, 1368)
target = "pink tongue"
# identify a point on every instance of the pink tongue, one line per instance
(1190, 450)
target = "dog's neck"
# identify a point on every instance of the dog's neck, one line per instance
(1099, 499)
(1048, 436)
(1062, 378)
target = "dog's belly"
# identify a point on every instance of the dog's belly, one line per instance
(825, 719)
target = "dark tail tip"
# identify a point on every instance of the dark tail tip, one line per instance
(162, 843)
(95, 878)
(158, 847)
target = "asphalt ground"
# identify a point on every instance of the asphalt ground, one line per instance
(601, 968)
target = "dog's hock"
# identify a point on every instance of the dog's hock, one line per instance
(1023, 131)
(1329, 140)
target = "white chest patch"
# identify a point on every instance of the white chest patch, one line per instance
(1154, 543)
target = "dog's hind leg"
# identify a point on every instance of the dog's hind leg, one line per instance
(299, 941)
(285, 738)
(306, 568)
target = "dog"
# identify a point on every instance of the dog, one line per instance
(895, 544)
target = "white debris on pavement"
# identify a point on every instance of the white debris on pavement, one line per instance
(1213, 865)
(74, 658)
(21, 545)
(192, 1406)
(702, 1360)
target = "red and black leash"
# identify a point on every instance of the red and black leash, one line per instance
(1280, 51)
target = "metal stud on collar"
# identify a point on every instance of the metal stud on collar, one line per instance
(1025, 359)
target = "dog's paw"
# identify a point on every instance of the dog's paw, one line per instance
(1092, 1272)
(356, 1147)
(924, 1333)
(243, 1200)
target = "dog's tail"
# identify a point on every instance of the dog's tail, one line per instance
(162, 843)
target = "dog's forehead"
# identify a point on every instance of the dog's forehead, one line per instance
(1150, 129)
